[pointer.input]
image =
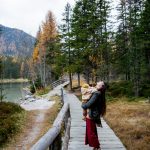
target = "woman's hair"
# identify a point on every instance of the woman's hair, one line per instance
(103, 101)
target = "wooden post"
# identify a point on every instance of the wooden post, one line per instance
(56, 145)
(67, 135)
(62, 96)
(66, 118)
(54, 134)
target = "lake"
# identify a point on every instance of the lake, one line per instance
(14, 91)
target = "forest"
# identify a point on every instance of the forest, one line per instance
(86, 43)
(14, 67)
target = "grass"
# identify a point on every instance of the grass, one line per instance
(130, 121)
(44, 125)
(43, 91)
(75, 85)
(55, 109)
(12, 118)
(51, 115)
(19, 80)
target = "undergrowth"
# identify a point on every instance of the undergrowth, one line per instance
(11, 120)
(43, 91)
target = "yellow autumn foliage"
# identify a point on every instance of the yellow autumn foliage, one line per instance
(49, 30)
(36, 54)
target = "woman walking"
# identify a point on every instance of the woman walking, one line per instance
(97, 108)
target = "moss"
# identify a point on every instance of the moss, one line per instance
(11, 119)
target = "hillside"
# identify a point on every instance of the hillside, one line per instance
(14, 42)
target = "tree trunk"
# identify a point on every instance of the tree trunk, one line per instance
(34, 85)
(44, 71)
(78, 79)
(70, 80)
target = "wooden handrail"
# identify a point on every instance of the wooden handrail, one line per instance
(49, 138)
(46, 140)
(58, 82)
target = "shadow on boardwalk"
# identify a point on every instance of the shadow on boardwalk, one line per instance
(107, 138)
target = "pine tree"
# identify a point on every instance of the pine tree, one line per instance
(89, 34)
(136, 51)
(66, 38)
(128, 42)
(145, 38)
(122, 40)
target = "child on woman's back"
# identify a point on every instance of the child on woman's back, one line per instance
(86, 92)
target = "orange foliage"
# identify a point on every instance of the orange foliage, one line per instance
(49, 29)
(46, 35)
(36, 54)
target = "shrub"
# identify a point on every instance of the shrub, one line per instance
(145, 89)
(11, 118)
(38, 85)
(32, 89)
(121, 88)
(43, 91)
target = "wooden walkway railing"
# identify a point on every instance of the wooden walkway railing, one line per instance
(58, 82)
(52, 140)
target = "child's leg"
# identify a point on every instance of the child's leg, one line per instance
(84, 114)
(84, 110)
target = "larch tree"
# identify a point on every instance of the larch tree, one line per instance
(38, 57)
(32, 72)
(50, 43)
(46, 48)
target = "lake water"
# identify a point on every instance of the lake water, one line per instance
(14, 91)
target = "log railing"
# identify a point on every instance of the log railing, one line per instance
(52, 140)
(58, 82)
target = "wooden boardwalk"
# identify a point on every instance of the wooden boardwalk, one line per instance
(107, 138)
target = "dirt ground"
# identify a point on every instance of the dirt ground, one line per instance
(36, 125)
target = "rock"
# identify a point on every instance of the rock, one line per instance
(28, 96)
(32, 100)
(27, 91)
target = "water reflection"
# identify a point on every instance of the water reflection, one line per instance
(14, 91)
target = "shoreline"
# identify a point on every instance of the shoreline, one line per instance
(20, 80)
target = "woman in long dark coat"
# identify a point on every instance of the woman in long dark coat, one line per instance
(97, 108)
